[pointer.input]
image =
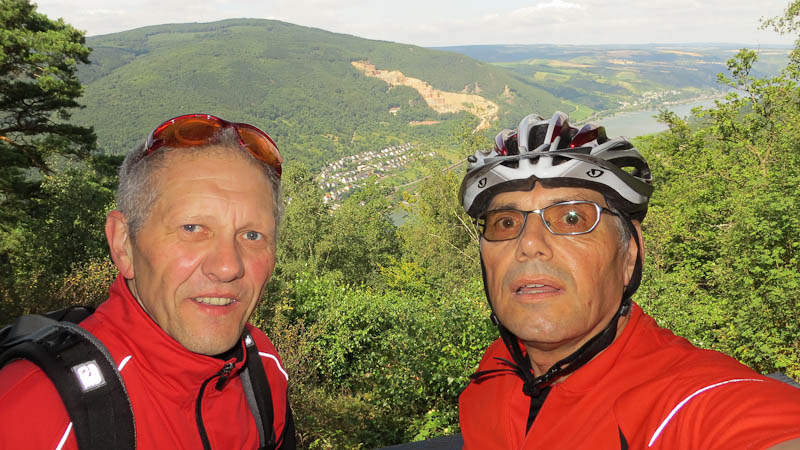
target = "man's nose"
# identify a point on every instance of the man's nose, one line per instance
(224, 261)
(534, 239)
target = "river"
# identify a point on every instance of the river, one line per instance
(637, 123)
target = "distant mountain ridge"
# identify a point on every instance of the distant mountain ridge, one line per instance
(297, 83)
(519, 52)
(612, 77)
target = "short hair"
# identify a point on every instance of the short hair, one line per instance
(624, 233)
(623, 223)
(138, 178)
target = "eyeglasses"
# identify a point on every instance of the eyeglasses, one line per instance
(193, 130)
(562, 219)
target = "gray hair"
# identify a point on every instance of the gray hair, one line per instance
(624, 234)
(138, 178)
(622, 221)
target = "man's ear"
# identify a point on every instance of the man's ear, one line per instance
(630, 255)
(119, 243)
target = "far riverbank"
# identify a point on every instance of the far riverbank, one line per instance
(638, 123)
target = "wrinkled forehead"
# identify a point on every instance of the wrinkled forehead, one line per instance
(541, 196)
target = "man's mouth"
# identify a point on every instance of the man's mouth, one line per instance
(215, 301)
(535, 288)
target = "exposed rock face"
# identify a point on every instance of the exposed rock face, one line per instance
(439, 101)
(508, 95)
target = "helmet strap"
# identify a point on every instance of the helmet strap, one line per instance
(636, 277)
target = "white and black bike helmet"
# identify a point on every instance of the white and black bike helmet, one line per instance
(555, 154)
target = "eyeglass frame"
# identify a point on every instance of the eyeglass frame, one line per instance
(540, 212)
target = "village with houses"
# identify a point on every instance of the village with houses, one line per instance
(339, 178)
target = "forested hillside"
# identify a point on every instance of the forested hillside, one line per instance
(297, 83)
(379, 323)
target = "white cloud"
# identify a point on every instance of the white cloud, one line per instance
(104, 13)
(557, 4)
(457, 22)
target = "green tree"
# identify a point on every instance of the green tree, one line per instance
(373, 368)
(38, 87)
(439, 242)
(723, 233)
(62, 242)
(438, 236)
(363, 236)
(305, 224)
(45, 228)
(789, 22)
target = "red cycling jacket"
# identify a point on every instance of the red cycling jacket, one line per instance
(163, 381)
(649, 389)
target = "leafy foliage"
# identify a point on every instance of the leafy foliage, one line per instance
(723, 228)
(789, 22)
(362, 237)
(378, 348)
(38, 88)
(306, 222)
(378, 367)
(439, 241)
(60, 242)
(51, 211)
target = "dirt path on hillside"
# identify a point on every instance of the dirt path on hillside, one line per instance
(439, 101)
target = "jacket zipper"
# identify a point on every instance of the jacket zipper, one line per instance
(223, 375)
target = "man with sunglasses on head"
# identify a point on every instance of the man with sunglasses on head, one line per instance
(194, 240)
(579, 365)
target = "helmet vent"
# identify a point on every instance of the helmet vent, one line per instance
(633, 167)
(512, 146)
(537, 137)
(566, 137)
(514, 163)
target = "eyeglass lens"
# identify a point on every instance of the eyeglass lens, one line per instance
(560, 218)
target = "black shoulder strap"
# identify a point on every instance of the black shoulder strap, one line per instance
(289, 441)
(254, 380)
(82, 371)
(259, 396)
(783, 378)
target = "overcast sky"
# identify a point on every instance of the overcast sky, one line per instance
(454, 22)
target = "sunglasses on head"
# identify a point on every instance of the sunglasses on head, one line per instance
(192, 130)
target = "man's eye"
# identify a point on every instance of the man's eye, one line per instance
(507, 222)
(572, 218)
(504, 222)
(253, 236)
(191, 228)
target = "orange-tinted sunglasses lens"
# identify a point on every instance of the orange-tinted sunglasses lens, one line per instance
(260, 145)
(197, 129)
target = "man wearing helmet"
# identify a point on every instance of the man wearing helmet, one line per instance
(578, 364)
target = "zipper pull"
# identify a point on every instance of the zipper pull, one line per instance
(223, 375)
